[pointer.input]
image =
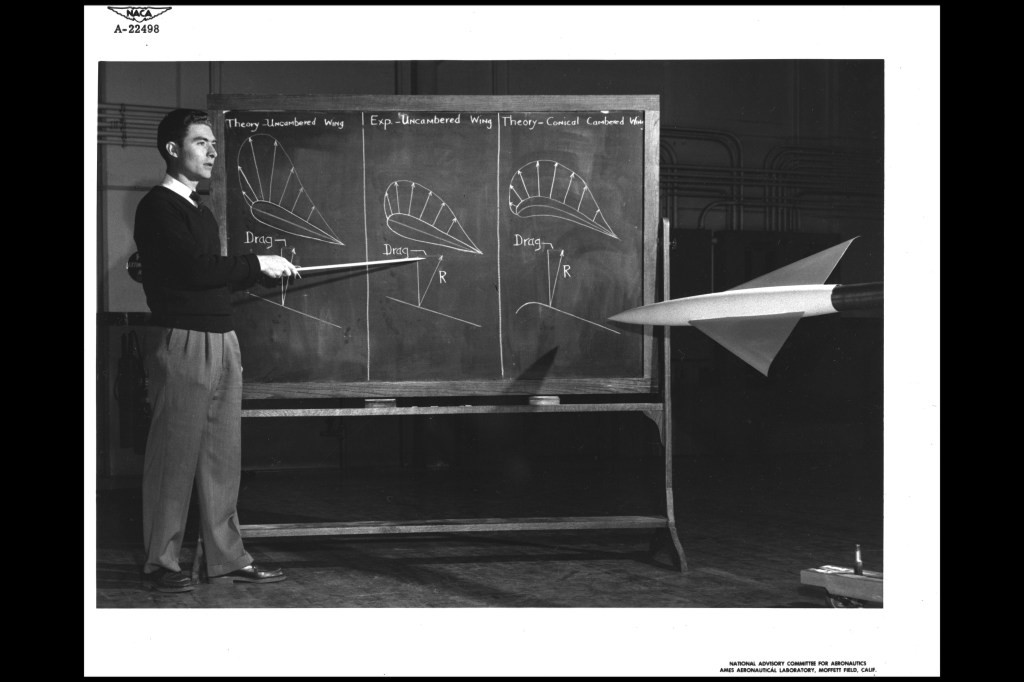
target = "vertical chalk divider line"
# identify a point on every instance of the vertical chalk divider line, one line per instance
(366, 241)
(497, 232)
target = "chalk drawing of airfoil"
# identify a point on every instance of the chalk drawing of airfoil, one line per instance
(547, 188)
(274, 192)
(416, 213)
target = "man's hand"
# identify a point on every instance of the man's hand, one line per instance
(277, 267)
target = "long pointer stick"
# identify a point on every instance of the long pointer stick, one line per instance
(339, 266)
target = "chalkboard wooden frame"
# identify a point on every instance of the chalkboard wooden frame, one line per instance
(665, 542)
(645, 382)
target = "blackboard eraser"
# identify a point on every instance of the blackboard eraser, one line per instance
(545, 400)
(379, 402)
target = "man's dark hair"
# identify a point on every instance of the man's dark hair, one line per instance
(174, 127)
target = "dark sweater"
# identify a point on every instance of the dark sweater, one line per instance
(188, 283)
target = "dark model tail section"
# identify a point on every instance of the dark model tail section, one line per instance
(857, 296)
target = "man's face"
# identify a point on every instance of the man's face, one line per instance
(196, 153)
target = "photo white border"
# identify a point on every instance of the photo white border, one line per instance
(900, 639)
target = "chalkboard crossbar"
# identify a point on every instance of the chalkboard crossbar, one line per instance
(454, 409)
(451, 526)
(485, 525)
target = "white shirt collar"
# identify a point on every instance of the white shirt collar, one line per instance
(178, 187)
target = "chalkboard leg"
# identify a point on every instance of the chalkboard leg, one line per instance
(683, 566)
(665, 548)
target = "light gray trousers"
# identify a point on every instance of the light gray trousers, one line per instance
(195, 385)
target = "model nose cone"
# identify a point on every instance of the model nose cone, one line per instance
(630, 316)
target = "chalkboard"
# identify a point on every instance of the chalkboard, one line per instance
(535, 217)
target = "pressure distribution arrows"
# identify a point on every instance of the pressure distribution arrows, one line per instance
(753, 320)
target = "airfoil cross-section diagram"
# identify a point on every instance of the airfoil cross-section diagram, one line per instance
(274, 193)
(548, 188)
(416, 213)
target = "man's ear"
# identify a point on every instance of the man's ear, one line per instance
(172, 149)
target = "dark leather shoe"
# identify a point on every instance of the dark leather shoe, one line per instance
(251, 574)
(165, 580)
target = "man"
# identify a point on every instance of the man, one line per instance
(193, 364)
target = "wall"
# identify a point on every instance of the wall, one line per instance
(762, 104)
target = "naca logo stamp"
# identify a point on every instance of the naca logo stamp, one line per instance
(139, 15)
